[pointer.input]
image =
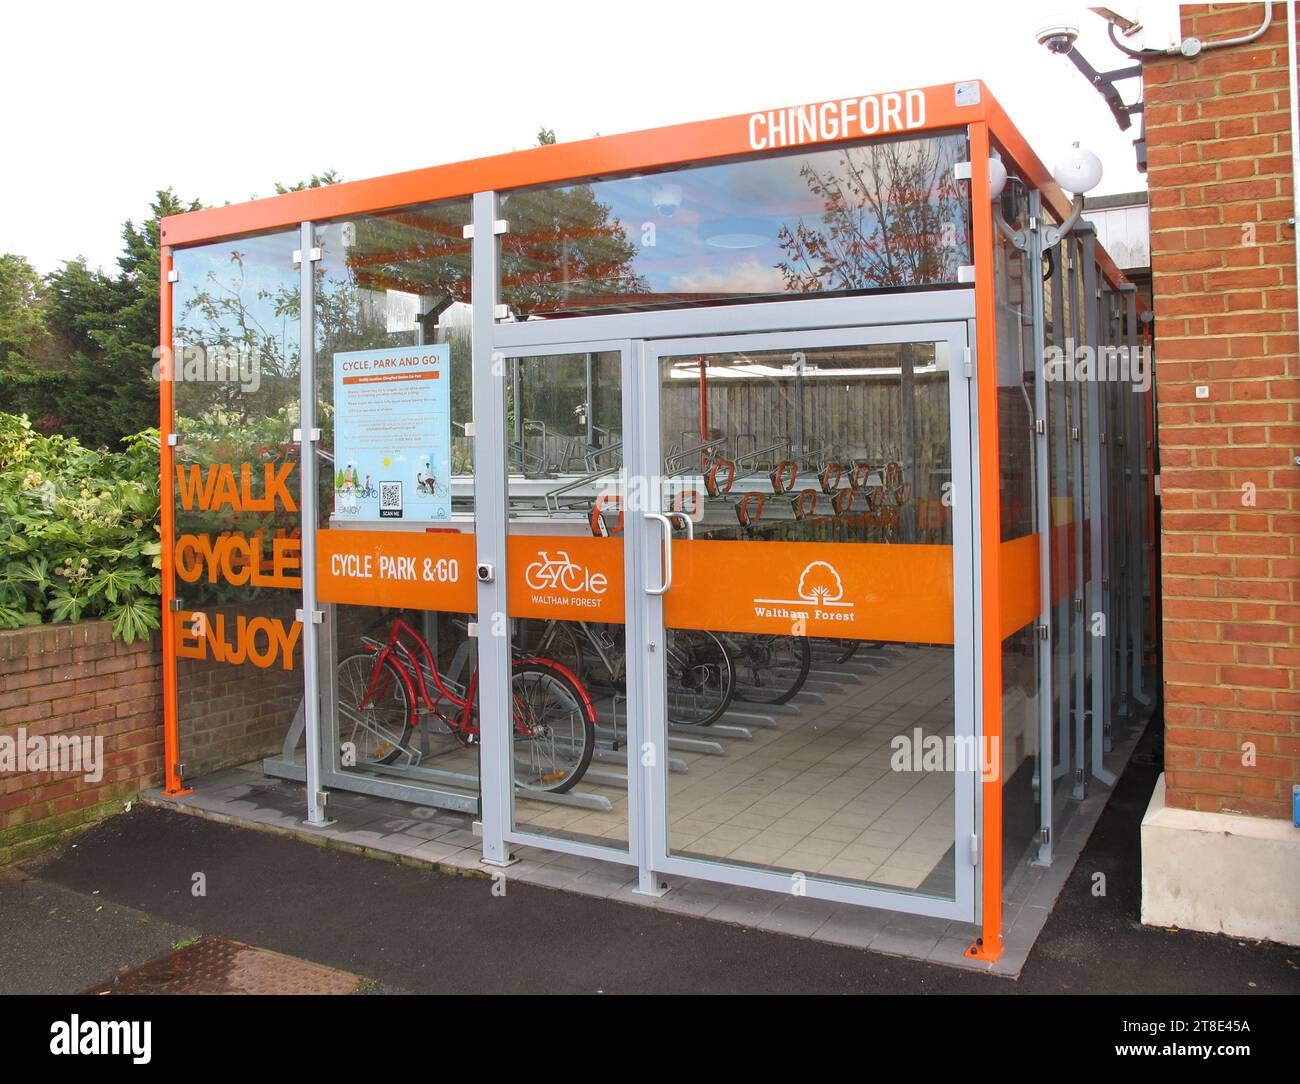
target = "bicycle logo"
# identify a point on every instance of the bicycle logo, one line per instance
(560, 573)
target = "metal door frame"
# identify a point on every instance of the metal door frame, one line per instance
(872, 317)
(511, 832)
(651, 622)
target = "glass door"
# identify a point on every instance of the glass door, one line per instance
(806, 598)
(566, 496)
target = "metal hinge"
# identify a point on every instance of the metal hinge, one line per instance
(175, 605)
(313, 435)
(322, 798)
(1040, 426)
(961, 171)
(1078, 605)
(1044, 835)
(173, 275)
(1101, 438)
(1043, 632)
(499, 226)
(500, 312)
(966, 273)
(974, 849)
(969, 363)
(1074, 432)
(317, 616)
(471, 628)
(173, 439)
(180, 771)
(313, 254)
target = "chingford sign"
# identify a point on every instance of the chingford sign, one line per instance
(848, 118)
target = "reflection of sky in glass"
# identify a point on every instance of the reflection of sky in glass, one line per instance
(741, 206)
(209, 269)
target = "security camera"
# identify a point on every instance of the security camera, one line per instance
(667, 198)
(1059, 34)
(485, 572)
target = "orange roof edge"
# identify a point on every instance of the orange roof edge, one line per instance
(629, 152)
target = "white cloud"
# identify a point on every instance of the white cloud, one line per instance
(749, 277)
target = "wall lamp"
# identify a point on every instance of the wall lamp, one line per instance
(1079, 171)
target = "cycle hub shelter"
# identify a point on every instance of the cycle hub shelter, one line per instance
(733, 501)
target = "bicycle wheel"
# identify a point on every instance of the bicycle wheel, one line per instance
(379, 731)
(701, 679)
(770, 669)
(554, 726)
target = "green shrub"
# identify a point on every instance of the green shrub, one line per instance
(79, 532)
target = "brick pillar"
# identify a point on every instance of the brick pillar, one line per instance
(1223, 260)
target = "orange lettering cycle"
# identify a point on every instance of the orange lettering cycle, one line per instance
(239, 560)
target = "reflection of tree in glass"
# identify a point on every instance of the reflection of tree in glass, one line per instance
(894, 216)
(234, 321)
(564, 251)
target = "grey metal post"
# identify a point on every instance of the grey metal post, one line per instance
(307, 510)
(1059, 436)
(1137, 520)
(1099, 710)
(496, 776)
(1043, 517)
(1079, 324)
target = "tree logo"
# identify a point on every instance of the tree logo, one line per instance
(819, 584)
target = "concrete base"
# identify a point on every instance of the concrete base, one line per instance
(1220, 872)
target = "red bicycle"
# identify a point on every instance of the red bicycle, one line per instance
(384, 692)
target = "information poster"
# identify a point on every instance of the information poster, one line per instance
(392, 434)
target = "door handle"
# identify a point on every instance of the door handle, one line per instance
(666, 533)
(686, 519)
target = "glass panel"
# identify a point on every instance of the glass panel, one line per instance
(813, 611)
(566, 596)
(396, 484)
(865, 217)
(1061, 456)
(235, 334)
(1021, 739)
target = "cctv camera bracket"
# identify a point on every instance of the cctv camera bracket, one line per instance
(1104, 84)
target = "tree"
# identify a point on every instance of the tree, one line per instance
(107, 329)
(27, 384)
(894, 216)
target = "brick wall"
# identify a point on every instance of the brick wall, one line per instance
(228, 714)
(1225, 306)
(76, 680)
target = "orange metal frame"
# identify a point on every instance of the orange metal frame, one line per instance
(649, 151)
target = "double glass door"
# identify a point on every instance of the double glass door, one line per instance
(747, 558)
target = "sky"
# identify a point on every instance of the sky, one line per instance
(106, 103)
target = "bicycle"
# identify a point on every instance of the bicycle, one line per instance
(701, 677)
(384, 692)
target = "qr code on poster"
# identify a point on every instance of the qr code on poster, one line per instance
(390, 500)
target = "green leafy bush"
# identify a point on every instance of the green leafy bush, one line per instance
(79, 531)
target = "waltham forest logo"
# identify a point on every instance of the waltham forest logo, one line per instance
(820, 598)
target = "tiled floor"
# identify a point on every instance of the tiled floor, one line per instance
(807, 789)
(813, 796)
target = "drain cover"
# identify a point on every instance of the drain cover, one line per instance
(216, 965)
